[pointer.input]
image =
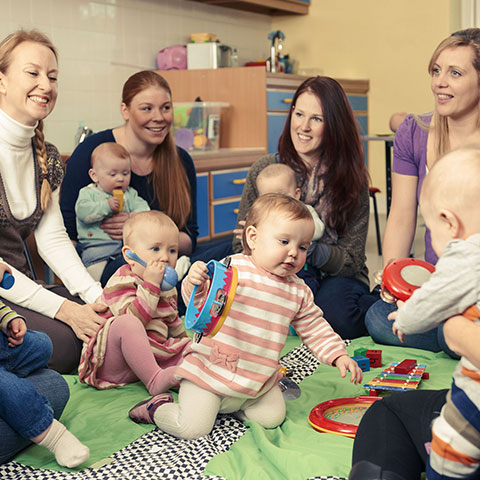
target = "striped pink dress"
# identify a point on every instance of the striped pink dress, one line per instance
(242, 360)
(125, 293)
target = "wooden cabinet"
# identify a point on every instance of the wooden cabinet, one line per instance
(219, 189)
(267, 7)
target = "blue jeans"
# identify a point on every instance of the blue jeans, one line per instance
(99, 251)
(380, 329)
(343, 300)
(55, 389)
(21, 406)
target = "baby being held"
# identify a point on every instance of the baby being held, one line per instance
(109, 194)
(280, 178)
(450, 208)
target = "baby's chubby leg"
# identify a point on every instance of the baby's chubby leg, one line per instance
(129, 357)
(269, 410)
(193, 416)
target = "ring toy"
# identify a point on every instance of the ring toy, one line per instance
(170, 277)
(402, 277)
(209, 317)
(340, 416)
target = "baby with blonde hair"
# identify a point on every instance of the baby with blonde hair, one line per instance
(237, 371)
(450, 208)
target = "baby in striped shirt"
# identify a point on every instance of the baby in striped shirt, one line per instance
(237, 371)
(22, 408)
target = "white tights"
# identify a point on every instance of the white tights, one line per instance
(195, 413)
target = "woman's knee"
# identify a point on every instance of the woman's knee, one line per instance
(376, 320)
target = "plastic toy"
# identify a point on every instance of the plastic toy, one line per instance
(360, 352)
(170, 277)
(405, 366)
(391, 380)
(375, 357)
(340, 416)
(209, 317)
(118, 194)
(363, 363)
(402, 277)
(7, 281)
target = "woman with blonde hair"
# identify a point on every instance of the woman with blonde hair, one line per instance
(162, 173)
(31, 172)
(419, 142)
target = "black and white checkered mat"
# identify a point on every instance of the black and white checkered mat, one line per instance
(157, 455)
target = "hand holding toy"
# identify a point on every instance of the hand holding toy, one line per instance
(170, 277)
(118, 194)
(7, 281)
(400, 278)
(209, 317)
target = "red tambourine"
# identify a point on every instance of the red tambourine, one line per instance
(402, 277)
(340, 416)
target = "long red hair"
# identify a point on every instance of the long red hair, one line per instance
(340, 152)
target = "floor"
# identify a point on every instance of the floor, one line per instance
(374, 261)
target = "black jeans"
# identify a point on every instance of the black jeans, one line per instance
(393, 431)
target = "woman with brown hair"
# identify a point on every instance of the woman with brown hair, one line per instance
(321, 143)
(421, 140)
(30, 175)
(162, 173)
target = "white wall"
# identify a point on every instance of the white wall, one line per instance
(101, 43)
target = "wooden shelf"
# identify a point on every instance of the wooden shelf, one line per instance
(266, 7)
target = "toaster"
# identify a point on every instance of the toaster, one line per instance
(208, 55)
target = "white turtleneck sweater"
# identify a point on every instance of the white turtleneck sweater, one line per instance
(53, 243)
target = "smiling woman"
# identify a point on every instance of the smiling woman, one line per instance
(419, 142)
(321, 143)
(162, 173)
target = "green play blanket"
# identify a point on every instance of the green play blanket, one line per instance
(292, 451)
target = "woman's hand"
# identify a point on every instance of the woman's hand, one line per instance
(345, 363)
(83, 319)
(113, 226)
(238, 232)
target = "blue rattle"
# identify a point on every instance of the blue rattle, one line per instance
(7, 281)
(170, 277)
(209, 317)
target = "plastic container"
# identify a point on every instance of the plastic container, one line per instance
(197, 125)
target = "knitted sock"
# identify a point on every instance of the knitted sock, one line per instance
(68, 450)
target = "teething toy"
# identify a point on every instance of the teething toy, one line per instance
(7, 281)
(209, 317)
(118, 194)
(400, 278)
(170, 277)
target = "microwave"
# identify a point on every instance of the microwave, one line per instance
(208, 55)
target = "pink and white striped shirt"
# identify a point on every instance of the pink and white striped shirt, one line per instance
(125, 293)
(242, 360)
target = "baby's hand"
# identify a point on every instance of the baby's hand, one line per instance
(397, 332)
(154, 272)
(345, 363)
(114, 204)
(198, 273)
(392, 317)
(17, 329)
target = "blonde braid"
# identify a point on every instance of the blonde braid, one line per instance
(40, 149)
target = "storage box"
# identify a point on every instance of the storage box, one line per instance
(196, 125)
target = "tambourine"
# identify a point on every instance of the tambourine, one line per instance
(400, 278)
(210, 316)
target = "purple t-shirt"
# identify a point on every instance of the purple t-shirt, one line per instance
(410, 158)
